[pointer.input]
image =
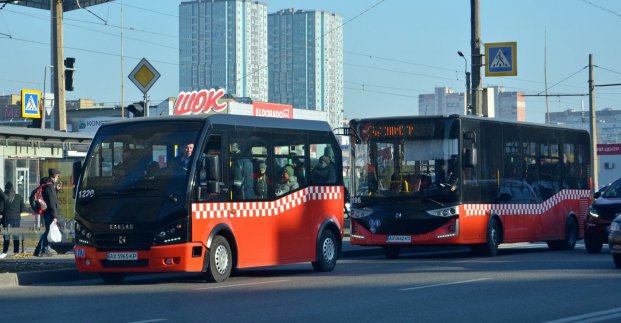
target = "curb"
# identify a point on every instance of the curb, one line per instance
(43, 277)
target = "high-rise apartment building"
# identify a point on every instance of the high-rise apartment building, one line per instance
(305, 51)
(608, 122)
(223, 44)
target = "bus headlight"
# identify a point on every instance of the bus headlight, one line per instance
(444, 212)
(83, 236)
(176, 232)
(360, 213)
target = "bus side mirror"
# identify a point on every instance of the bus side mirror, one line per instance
(75, 176)
(597, 194)
(470, 157)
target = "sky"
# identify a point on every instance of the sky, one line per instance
(394, 50)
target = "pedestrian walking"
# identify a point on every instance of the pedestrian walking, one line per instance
(51, 185)
(13, 206)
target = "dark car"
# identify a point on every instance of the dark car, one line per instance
(614, 241)
(605, 208)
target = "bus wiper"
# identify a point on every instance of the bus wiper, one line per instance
(432, 200)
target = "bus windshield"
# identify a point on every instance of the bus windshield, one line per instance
(145, 163)
(418, 159)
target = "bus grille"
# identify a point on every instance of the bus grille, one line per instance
(123, 241)
(125, 263)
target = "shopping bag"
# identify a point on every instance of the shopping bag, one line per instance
(54, 235)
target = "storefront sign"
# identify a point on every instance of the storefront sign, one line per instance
(609, 149)
(272, 110)
(202, 101)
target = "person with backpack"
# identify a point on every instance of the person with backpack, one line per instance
(13, 206)
(49, 187)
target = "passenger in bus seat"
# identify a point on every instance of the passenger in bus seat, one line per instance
(242, 169)
(288, 181)
(261, 182)
(324, 172)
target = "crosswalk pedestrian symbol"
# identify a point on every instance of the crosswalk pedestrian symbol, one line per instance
(31, 100)
(501, 59)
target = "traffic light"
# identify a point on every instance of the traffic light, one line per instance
(137, 108)
(36, 123)
(69, 61)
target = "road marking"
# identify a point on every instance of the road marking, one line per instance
(446, 284)
(148, 321)
(591, 317)
(247, 284)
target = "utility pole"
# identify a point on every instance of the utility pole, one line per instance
(60, 108)
(594, 165)
(475, 43)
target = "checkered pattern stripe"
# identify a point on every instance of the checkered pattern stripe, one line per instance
(266, 209)
(517, 209)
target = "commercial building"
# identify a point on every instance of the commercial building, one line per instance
(223, 44)
(305, 55)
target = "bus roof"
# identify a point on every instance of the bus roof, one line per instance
(237, 120)
(464, 117)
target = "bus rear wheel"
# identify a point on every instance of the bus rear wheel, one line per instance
(327, 252)
(571, 235)
(112, 278)
(220, 260)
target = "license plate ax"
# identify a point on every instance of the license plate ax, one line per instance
(122, 256)
(399, 239)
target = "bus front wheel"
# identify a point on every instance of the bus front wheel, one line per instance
(220, 260)
(490, 248)
(327, 252)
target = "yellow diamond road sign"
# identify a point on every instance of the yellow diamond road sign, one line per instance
(144, 75)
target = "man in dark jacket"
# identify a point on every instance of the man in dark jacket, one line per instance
(50, 215)
(13, 206)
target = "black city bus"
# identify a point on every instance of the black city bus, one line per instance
(142, 207)
(463, 180)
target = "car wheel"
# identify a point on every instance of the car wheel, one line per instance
(327, 252)
(571, 236)
(391, 252)
(220, 260)
(592, 244)
(112, 278)
(616, 257)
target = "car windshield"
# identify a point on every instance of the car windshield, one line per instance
(613, 191)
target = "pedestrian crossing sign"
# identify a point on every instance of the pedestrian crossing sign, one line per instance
(31, 104)
(501, 59)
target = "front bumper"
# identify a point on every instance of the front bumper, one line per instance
(186, 257)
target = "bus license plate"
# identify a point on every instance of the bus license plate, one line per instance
(123, 256)
(399, 239)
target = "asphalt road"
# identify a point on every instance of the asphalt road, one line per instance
(524, 283)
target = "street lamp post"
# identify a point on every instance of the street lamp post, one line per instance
(466, 96)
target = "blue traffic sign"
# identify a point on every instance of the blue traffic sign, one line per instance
(501, 59)
(31, 100)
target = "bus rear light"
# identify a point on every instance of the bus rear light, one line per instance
(87, 262)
